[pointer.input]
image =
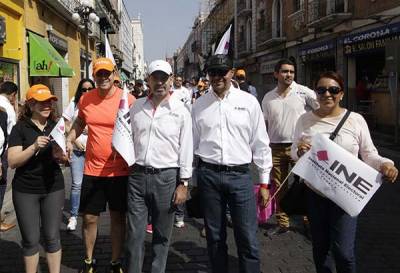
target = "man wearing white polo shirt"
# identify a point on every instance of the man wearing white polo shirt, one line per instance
(282, 107)
(163, 142)
(228, 133)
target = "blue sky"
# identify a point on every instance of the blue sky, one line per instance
(167, 24)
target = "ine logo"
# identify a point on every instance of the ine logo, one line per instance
(352, 178)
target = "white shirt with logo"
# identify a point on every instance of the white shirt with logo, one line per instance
(163, 136)
(183, 94)
(231, 131)
(281, 113)
(71, 113)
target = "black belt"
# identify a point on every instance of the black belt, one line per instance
(150, 170)
(223, 168)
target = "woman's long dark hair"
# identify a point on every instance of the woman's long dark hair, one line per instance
(79, 93)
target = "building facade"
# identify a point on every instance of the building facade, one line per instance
(139, 65)
(359, 39)
(11, 41)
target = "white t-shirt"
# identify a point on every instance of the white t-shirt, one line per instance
(183, 94)
(11, 116)
(71, 113)
(282, 113)
(354, 135)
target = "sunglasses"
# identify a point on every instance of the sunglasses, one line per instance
(333, 90)
(86, 89)
(217, 72)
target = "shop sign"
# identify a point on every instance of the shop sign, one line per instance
(58, 42)
(317, 48)
(369, 45)
(375, 33)
(268, 67)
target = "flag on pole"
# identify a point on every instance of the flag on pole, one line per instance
(223, 46)
(122, 140)
(58, 134)
(109, 53)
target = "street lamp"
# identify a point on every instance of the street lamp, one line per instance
(135, 67)
(83, 15)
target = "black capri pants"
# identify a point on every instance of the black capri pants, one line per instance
(33, 210)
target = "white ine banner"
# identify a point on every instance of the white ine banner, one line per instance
(338, 175)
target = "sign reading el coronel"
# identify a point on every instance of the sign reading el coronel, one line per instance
(338, 175)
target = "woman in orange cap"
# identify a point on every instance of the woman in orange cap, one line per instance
(38, 184)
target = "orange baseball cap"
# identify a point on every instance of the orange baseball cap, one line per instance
(39, 92)
(240, 72)
(102, 64)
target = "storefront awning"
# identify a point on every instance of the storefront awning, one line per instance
(44, 59)
(123, 76)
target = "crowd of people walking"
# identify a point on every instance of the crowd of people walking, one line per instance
(218, 121)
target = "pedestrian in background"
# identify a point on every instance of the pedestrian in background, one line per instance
(282, 106)
(106, 173)
(333, 231)
(162, 136)
(8, 94)
(38, 184)
(244, 84)
(229, 133)
(138, 90)
(181, 92)
(78, 154)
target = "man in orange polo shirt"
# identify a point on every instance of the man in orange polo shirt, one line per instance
(106, 173)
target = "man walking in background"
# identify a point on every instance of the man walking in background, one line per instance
(282, 107)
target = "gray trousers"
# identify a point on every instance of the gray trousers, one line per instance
(150, 193)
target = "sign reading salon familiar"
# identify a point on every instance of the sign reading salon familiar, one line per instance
(372, 39)
(338, 175)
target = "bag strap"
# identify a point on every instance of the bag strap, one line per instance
(339, 126)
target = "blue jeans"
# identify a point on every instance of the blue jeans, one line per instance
(77, 166)
(150, 193)
(333, 234)
(218, 189)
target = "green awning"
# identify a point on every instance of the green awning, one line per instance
(123, 76)
(45, 60)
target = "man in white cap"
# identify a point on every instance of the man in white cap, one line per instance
(163, 142)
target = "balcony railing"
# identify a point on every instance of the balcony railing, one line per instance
(323, 13)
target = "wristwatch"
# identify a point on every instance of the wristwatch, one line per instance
(184, 182)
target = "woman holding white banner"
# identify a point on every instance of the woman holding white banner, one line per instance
(38, 184)
(332, 229)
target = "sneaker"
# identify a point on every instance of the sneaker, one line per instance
(179, 224)
(72, 222)
(116, 267)
(149, 228)
(88, 267)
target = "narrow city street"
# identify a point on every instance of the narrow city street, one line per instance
(378, 242)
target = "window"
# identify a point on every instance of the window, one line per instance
(261, 20)
(248, 34)
(297, 5)
(276, 19)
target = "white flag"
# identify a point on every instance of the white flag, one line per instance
(122, 136)
(223, 46)
(338, 175)
(58, 134)
(109, 53)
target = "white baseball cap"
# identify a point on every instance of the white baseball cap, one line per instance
(159, 65)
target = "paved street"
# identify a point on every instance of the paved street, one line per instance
(378, 243)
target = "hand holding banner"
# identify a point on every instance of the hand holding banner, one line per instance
(338, 175)
(58, 134)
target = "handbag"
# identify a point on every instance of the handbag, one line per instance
(264, 213)
(294, 202)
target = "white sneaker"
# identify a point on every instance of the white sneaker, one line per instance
(179, 224)
(72, 222)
